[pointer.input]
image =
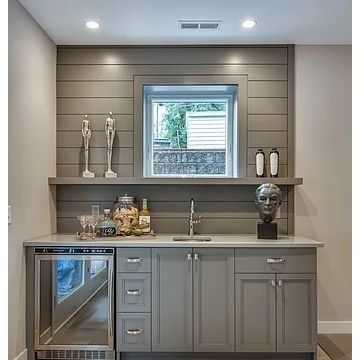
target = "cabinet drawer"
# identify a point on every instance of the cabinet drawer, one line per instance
(133, 332)
(272, 260)
(133, 260)
(132, 292)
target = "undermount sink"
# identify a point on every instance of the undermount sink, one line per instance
(192, 238)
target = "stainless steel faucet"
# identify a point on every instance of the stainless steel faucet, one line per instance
(192, 220)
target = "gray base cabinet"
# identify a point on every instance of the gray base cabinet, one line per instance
(224, 300)
(275, 300)
(255, 313)
(296, 312)
(172, 300)
(214, 300)
(193, 300)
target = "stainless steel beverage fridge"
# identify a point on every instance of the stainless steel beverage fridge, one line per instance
(73, 299)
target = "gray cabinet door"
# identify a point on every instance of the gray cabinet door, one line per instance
(172, 299)
(296, 312)
(214, 299)
(255, 312)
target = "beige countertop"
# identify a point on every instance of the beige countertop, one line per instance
(166, 240)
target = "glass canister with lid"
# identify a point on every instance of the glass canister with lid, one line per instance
(126, 214)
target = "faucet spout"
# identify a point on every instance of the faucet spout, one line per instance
(192, 220)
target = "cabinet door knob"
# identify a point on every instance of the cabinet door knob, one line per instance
(280, 283)
(196, 257)
(134, 292)
(275, 260)
(189, 257)
(272, 282)
(134, 331)
(134, 260)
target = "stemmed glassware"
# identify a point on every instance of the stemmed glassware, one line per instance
(82, 219)
(94, 219)
(91, 221)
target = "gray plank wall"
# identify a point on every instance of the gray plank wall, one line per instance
(96, 80)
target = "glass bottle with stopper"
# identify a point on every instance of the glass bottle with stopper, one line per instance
(107, 226)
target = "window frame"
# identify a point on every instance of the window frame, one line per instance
(189, 96)
(241, 116)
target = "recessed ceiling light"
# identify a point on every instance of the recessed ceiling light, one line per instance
(248, 24)
(92, 24)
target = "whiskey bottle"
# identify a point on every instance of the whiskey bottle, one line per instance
(144, 218)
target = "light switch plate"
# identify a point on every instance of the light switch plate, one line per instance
(9, 215)
(95, 209)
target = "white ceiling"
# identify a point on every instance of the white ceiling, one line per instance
(155, 22)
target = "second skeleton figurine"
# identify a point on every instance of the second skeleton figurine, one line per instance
(110, 131)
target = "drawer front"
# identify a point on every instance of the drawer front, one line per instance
(133, 332)
(132, 292)
(133, 260)
(270, 260)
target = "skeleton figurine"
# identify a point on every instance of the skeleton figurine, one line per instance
(110, 135)
(86, 133)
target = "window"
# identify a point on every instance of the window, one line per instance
(189, 131)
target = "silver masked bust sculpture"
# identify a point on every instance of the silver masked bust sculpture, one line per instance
(110, 131)
(86, 133)
(268, 199)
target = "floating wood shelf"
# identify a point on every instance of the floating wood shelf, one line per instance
(172, 181)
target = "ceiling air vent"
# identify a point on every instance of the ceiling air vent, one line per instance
(199, 25)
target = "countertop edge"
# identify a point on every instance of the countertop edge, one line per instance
(165, 240)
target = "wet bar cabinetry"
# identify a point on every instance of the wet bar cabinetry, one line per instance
(226, 300)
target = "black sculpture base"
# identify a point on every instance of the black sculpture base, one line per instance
(267, 231)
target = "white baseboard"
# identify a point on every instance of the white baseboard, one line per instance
(22, 355)
(334, 327)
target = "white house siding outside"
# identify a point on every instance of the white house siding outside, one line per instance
(206, 130)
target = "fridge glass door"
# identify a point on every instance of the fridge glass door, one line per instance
(74, 302)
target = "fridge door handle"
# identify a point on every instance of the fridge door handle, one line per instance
(110, 303)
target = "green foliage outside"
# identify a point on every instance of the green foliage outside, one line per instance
(174, 120)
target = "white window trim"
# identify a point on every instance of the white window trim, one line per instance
(231, 130)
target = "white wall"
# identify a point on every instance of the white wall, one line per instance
(32, 141)
(323, 159)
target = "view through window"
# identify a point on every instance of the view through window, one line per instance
(189, 131)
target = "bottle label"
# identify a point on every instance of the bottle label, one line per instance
(105, 232)
(144, 223)
(259, 164)
(274, 163)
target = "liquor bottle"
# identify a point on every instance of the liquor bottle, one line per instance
(144, 218)
(107, 226)
(260, 163)
(274, 163)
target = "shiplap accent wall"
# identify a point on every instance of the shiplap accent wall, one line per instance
(97, 80)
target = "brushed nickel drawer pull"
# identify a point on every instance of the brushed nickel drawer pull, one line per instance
(134, 332)
(134, 292)
(275, 260)
(134, 260)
